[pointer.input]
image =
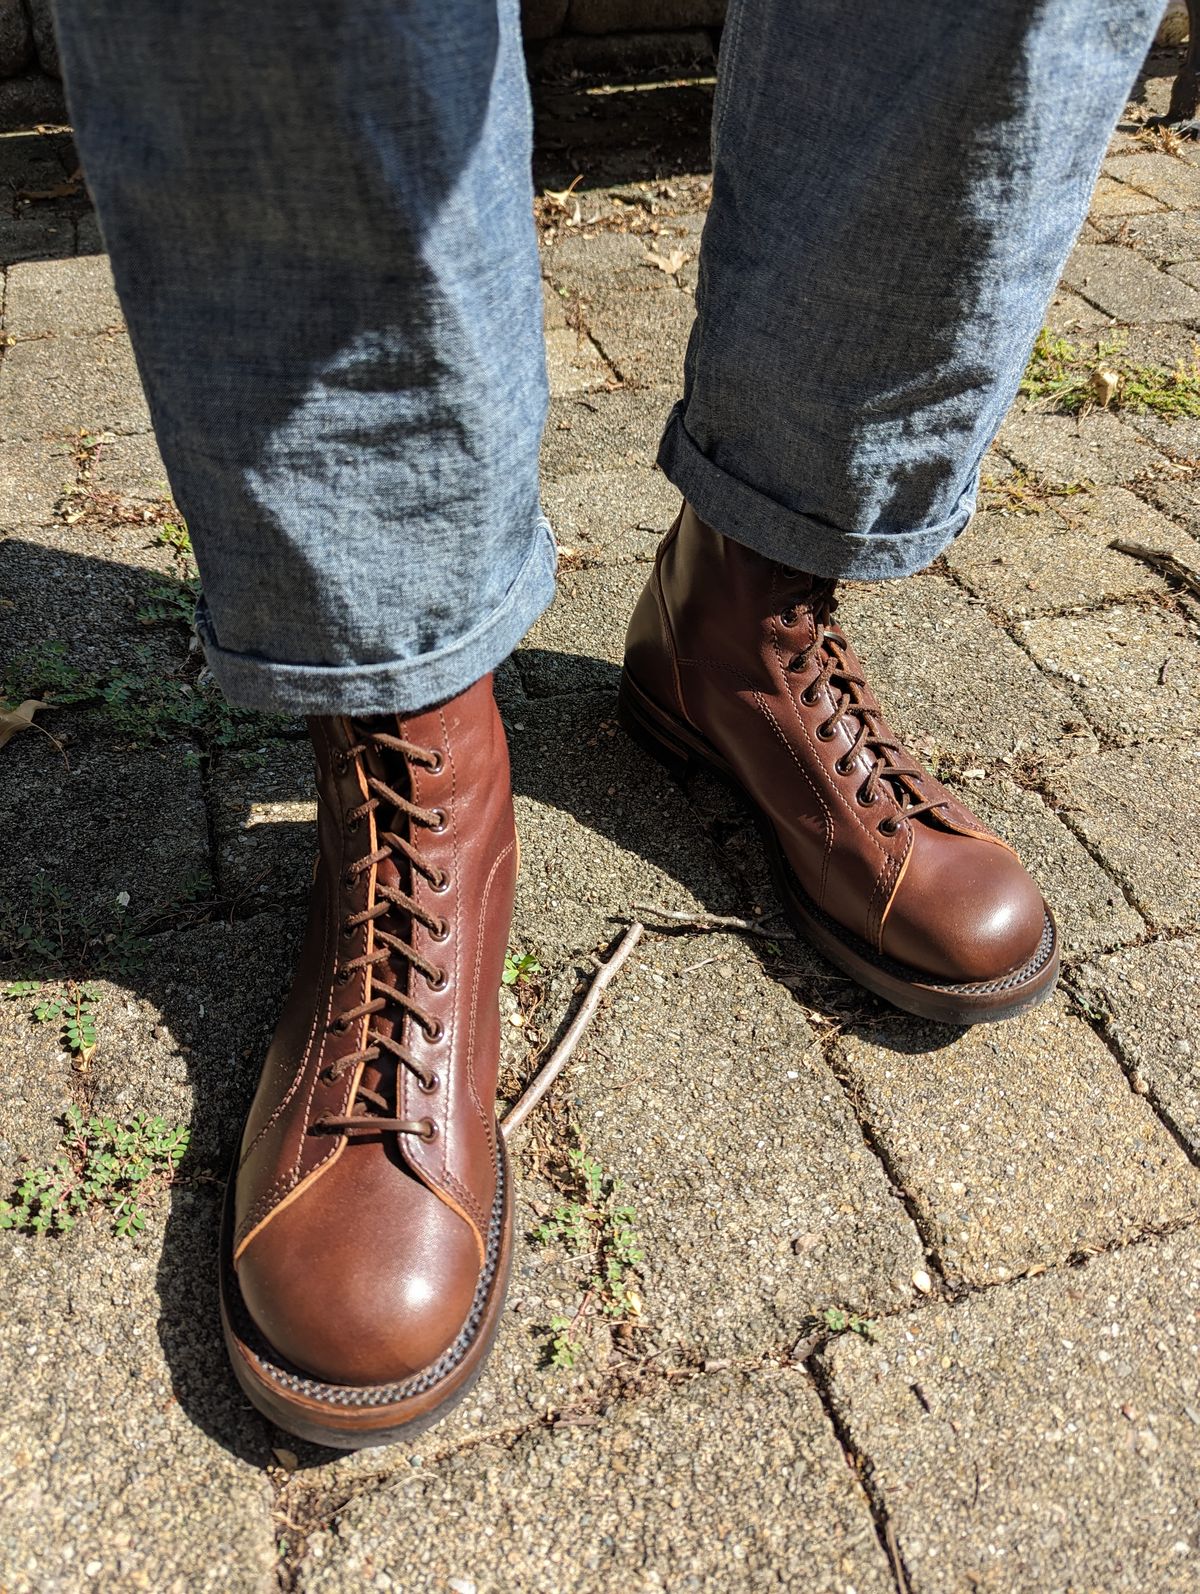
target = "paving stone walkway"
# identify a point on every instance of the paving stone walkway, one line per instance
(918, 1310)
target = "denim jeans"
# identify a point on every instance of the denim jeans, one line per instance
(319, 218)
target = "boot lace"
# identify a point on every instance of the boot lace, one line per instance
(889, 762)
(392, 939)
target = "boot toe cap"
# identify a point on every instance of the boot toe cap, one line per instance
(966, 910)
(375, 1300)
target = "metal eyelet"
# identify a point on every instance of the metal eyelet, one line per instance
(865, 802)
(352, 826)
(824, 734)
(435, 1031)
(888, 826)
(339, 1026)
(343, 976)
(788, 617)
(436, 763)
(843, 768)
(441, 884)
(330, 1076)
(440, 931)
(438, 816)
(808, 697)
(350, 879)
(427, 1083)
(437, 981)
(428, 1130)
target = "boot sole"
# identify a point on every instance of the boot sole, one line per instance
(677, 746)
(353, 1416)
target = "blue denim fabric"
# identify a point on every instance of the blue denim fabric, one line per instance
(319, 221)
(895, 191)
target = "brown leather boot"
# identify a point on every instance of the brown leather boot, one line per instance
(368, 1228)
(735, 661)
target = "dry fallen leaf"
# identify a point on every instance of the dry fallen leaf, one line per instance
(19, 719)
(1104, 385)
(668, 263)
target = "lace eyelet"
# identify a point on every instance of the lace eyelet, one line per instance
(436, 763)
(888, 826)
(824, 734)
(441, 932)
(428, 1130)
(348, 931)
(808, 698)
(330, 1076)
(427, 1083)
(437, 981)
(339, 1026)
(435, 1031)
(843, 768)
(350, 879)
(343, 976)
(788, 617)
(352, 826)
(441, 884)
(341, 763)
(865, 802)
(438, 816)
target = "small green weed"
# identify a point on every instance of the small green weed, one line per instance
(843, 1322)
(593, 1217)
(519, 968)
(71, 1006)
(101, 1165)
(1072, 379)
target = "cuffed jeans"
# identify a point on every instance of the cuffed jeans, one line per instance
(319, 218)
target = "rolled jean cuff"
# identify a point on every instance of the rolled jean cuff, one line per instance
(397, 685)
(740, 511)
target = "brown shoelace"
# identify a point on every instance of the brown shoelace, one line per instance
(887, 756)
(390, 900)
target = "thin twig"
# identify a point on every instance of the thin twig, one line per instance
(517, 1115)
(1160, 559)
(713, 921)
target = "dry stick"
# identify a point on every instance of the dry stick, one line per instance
(1160, 559)
(517, 1115)
(713, 921)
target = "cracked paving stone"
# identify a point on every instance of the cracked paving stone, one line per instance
(56, 387)
(65, 298)
(1041, 1437)
(611, 516)
(1096, 448)
(578, 643)
(608, 263)
(121, 1435)
(1154, 854)
(574, 363)
(1111, 197)
(732, 1481)
(1163, 177)
(705, 1088)
(1088, 904)
(604, 431)
(1059, 558)
(928, 649)
(265, 810)
(643, 336)
(1135, 670)
(1171, 237)
(1068, 314)
(1149, 997)
(1128, 286)
(1019, 1144)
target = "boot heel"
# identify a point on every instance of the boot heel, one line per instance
(650, 729)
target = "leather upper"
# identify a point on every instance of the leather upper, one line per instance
(734, 645)
(357, 1254)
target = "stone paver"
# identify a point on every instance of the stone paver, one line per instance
(61, 297)
(927, 646)
(1135, 670)
(1019, 1146)
(1149, 996)
(1095, 448)
(51, 387)
(1040, 1439)
(1059, 558)
(1172, 182)
(732, 1482)
(1158, 859)
(32, 478)
(1128, 286)
(611, 515)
